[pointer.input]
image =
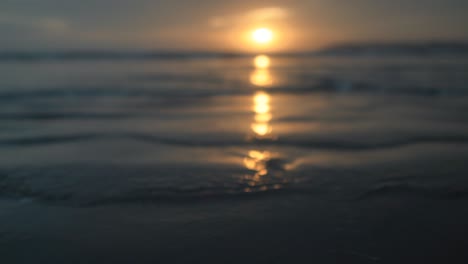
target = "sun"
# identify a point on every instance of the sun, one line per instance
(262, 35)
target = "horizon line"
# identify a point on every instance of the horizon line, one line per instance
(337, 45)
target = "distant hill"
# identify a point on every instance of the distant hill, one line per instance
(422, 48)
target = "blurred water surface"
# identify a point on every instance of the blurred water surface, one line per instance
(98, 131)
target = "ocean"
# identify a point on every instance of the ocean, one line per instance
(229, 158)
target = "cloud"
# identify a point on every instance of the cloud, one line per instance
(254, 16)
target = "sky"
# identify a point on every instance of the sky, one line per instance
(225, 25)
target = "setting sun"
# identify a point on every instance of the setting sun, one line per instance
(262, 35)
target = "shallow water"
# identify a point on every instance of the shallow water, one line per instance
(340, 147)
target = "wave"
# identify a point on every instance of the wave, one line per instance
(93, 185)
(307, 142)
(406, 189)
(84, 185)
(62, 116)
(320, 86)
(47, 140)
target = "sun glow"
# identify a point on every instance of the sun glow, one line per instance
(262, 62)
(262, 35)
(261, 78)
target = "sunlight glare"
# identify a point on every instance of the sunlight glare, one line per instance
(261, 109)
(261, 77)
(261, 129)
(263, 118)
(262, 35)
(262, 62)
(261, 98)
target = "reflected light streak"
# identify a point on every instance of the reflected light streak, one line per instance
(261, 98)
(261, 126)
(265, 176)
(261, 129)
(262, 61)
(266, 173)
(261, 108)
(261, 77)
(256, 161)
(259, 154)
(263, 118)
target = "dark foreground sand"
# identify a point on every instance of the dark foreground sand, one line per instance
(275, 229)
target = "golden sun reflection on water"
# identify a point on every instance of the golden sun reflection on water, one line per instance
(261, 129)
(261, 108)
(261, 76)
(263, 118)
(267, 168)
(261, 99)
(262, 62)
(266, 176)
(253, 161)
